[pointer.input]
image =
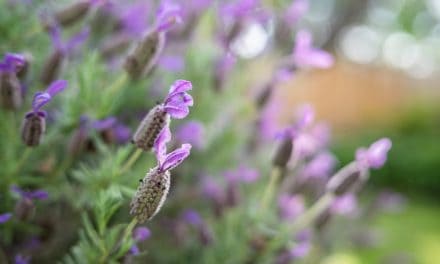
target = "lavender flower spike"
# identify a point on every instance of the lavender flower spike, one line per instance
(25, 207)
(55, 61)
(11, 93)
(145, 55)
(153, 189)
(175, 105)
(34, 123)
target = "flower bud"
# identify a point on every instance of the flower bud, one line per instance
(72, 13)
(11, 96)
(343, 183)
(24, 209)
(142, 59)
(52, 67)
(150, 195)
(33, 127)
(150, 127)
(283, 153)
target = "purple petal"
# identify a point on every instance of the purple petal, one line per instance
(141, 234)
(375, 156)
(104, 124)
(134, 18)
(304, 55)
(295, 11)
(177, 111)
(160, 147)
(300, 250)
(38, 195)
(248, 175)
(56, 87)
(290, 206)
(122, 133)
(77, 39)
(40, 99)
(14, 61)
(168, 15)
(179, 86)
(345, 205)
(19, 259)
(134, 250)
(17, 190)
(191, 132)
(5, 217)
(176, 157)
(55, 34)
(320, 166)
(192, 217)
(172, 63)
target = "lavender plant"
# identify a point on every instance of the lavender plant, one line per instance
(231, 201)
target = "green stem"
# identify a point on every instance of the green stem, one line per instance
(313, 212)
(24, 157)
(118, 84)
(270, 189)
(134, 157)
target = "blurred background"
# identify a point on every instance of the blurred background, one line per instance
(384, 82)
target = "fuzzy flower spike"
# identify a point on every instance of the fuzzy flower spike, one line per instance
(34, 123)
(146, 53)
(154, 187)
(54, 63)
(175, 105)
(11, 94)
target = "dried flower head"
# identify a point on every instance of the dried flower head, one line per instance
(34, 123)
(175, 105)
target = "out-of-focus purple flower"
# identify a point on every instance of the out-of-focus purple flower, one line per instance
(5, 217)
(320, 166)
(242, 173)
(375, 156)
(168, 15)
(42, 98)
(290, 206)
(295, 11)
(311, 141)
(222, 68)
(301, 249)
(141, 234)
(12, 63)
(306, 56)
(390, 201)
(114, 130)
(32, 195)
(20, 259)
(211, 189)
(192, 217)
(305, 116)
(345, 205)
(172, 63)
(134, 17)
(191, 132)
(69, 45)
(268, 126)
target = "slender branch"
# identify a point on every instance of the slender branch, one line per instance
(133, 158)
